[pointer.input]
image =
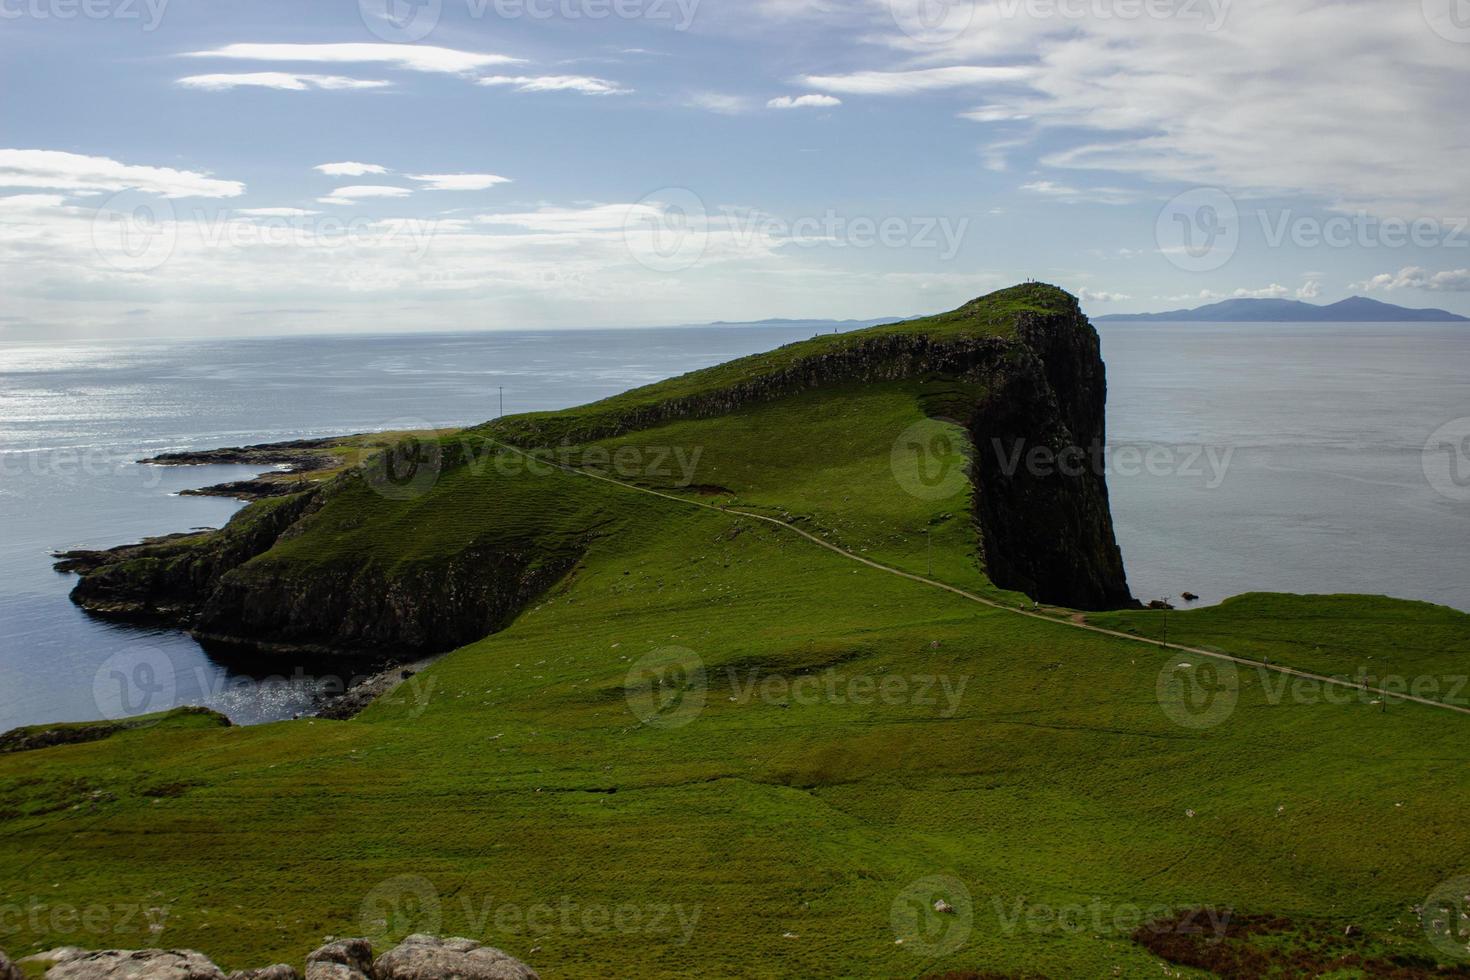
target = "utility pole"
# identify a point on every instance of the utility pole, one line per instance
(1166, 624)
(929, 552)
(502, 401)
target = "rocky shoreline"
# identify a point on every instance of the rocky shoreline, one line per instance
(298, 458)
(418, 957)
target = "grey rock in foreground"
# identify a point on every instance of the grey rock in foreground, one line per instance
(421, 957)
(278, 972)
(8, 970)
(341, 959)
(139, 964)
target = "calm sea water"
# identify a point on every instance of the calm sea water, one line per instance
(1273, 457)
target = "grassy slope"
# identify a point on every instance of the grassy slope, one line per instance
(1058, 780)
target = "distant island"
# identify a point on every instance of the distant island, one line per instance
(1355, 309)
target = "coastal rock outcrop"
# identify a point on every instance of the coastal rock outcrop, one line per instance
(8, 970)
(421, 957)
(137, 964)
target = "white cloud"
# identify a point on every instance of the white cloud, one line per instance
(57, 170)
(285, 81)
(723, 103)
(409, 57)
(1273, 291)
(1073, 195)
(1414, 277)
(354, 193)
(917, 80)
(1238, 103)
(349, 168)
(1089, 296)
(585, 84)
(1311, 289)
(275, 212)
(803, 102)
(459, 182)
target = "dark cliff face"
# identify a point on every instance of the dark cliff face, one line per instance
(1041, 497)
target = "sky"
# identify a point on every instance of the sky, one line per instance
(212, 168)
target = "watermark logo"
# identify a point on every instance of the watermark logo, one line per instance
(933, 916)
(410, 467)
(1446, 917)
(149, 12)
(400, 907)
(135, 232)
(1450, 19)
(400, 21)
(1446, 460)
(666, 688)
(1199, 230)
(932, 21)
(668, 230)
(1198, 695)
(135, 682)
(929, 460)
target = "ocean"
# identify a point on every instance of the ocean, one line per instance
(1242, 457)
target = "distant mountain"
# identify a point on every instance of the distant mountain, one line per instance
(1355, 309)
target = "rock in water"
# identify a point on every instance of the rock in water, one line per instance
(421, 957)
(341, 959)
(139, 964)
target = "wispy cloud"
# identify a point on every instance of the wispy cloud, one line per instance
(353, 193)
(721, 102)
(916, 80)
(1415, 277)
(458, 182)
(58, 170)
(1074, 195)
(349, 168)
(409, 57)
(286, 81)
(803, 102)
(585, 84)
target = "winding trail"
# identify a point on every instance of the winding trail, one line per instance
(1076, 621)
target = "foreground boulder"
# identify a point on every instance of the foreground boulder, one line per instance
(137, 964)
(278, 972)
(421, 957)
(8, 970)
(341, 959)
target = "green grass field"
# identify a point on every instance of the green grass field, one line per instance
(837, 748)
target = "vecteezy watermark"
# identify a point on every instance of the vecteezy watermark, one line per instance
(65, 462)
(137, 681)
(933, 916)
(135, 232)
(1210, 14)
(412, 237)
(1361, 230)
(42, 916)
(835, 687)
(1450, 19)
(1198, 230)
(1198, 693)
(668, 230)
(1446, 460)
(1445, 916)
(410, 467)
(942, 233)
(667, 687)
(149, 13)
(676, 464)
(1208, 463)
(1201, 693)
(930, 459)
(410, 903)
(1101, 917)
(407, 21)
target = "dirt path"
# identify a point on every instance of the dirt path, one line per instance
(1074, 621)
